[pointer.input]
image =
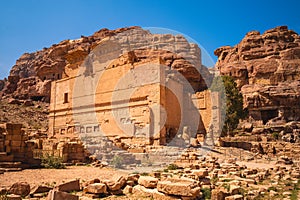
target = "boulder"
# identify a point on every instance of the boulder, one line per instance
(20, 188)
(127, 190)
(96, 188)
(116, 185)
(148, 181)
(40, 189)
(69, 186)
(179, 187)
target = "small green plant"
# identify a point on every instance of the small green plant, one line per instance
(275, 135)
(226, 186)
(52, 162)
(227, 180)
(117, 161)
(214, 180)
(272, 188)
(172, 167)
(206, 193)
(295, 191)
(144, 174)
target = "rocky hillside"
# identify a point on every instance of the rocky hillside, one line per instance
(32, 74)
(266, 68)
(33, 115)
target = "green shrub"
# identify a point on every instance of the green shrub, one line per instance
(117, 162)
(144, 174)
(206, 193)
(172, 167)
(275, 135)
(52, 162)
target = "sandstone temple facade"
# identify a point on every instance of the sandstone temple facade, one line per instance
(134, 95)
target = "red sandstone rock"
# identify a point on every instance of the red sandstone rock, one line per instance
(20, 188)
(30, 77)
(266, 69)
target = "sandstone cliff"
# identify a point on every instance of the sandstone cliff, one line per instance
(32, 74)
(266, 69)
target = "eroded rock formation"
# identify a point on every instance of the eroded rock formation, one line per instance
(30, 77)
(266, 69)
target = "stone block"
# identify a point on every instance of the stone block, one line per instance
(40, 189)
(96, 188)
(69, 186)
(116, 185)
(179, 187)
(148, 181)
(58, 195)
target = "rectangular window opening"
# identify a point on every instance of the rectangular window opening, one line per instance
(66, 98)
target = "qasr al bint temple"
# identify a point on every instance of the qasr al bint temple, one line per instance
(135, 95)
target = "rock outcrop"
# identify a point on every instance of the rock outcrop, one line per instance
(266, 69)
(32, 74)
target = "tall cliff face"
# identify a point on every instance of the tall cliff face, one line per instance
(32, 74)
(266, 68)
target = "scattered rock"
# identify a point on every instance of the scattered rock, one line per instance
(13, 197)
(180, 187)
(20, 188)
(69, 186)
(58, 195)
(40, 189)
(96, 188)
(148, 181)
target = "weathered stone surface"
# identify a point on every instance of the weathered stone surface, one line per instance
(201, 173)
(218, 194)
(141, 191)
(96, 188)
(13, 197)
(148, 181)
(69, 186)
(180, 187)
(235, 197)
(40, 189)
(266, 69)
(20, 188)
(30, 77)
(57, 195)
(128, 189)
(116, 185)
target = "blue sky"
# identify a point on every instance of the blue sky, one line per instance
(28, 26)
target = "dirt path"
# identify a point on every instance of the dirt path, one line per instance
(55, 176)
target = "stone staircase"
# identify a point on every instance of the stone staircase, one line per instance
(7, 163)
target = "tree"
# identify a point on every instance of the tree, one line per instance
(231, 102)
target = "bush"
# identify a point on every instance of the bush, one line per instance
(52, 162)
(275, 135)
(206, 193)
(172, 167)
(117, 161)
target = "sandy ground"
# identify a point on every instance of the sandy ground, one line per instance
(55, 176)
